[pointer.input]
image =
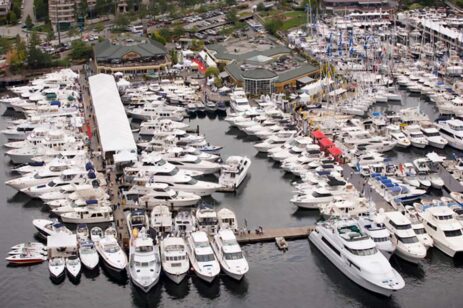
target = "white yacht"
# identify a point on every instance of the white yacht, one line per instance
(434, 137)
(229, 254)
(238, 100)
(416, 137)
(137, 219)
(417, 226)
(161, 219)
(233, 172)
(73, 266)
(409, 247)
(110, 251)
(452, 130)
(157, 111)
(88, 215)
(144, 261)
(345, 206)
(56, 267)
(88, 254)
(159, 194)
(227, 220)
(184, 223)
(183, 160)
(398, 136)
(355, 254)
(378, 232)
(269, 143)
(206, 219)
(440, 223)
(321, 195)
(426, 176)
(174, 258)
(49, 227)
(201, 256)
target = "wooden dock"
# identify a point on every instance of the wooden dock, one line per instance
(269, 235)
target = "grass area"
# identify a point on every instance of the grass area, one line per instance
(291, 19)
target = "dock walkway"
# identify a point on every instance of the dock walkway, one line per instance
(269, 235)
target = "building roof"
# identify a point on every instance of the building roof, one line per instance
(62, 239)
(296, 72)
(259, 59)
(220, 52)
(113, 126)
(147, 48)
(258, 73)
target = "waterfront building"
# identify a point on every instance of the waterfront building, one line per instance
(5, 6)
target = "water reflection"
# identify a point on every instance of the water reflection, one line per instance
(206, 290)
(143, 299)
(238, 288)
(176, 291)
(119, 278)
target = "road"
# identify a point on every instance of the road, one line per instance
(28, 10)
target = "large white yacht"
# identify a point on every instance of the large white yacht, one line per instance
(109, 250)
(409, 247)
(233, 172)
(378, 232)
(398, 136)
(440, 223)
(416, 137)
(159, 194)
(174, 258)
(433, 136)
(229, 254)
(355, 254)
(238, 100)
(157, 110)
(144, 261)
(161, 219)
(181, 159)
(201, 256)
(452, 130)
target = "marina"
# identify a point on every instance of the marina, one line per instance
(140, 192)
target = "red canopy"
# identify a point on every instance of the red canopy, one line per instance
(335, 151)
(325, 143)
(318, 134)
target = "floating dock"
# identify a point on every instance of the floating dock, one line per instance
(269, 235)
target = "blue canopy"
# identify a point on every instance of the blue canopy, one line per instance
(91, 201)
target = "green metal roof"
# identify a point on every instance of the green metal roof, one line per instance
(107, 51)
(221, 54)
(258, 73)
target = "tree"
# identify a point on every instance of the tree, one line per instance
(178, 31)
(28, 23)
(230, 2)
(50, 36)
(80, 50)
(272, 26)
(197, 45)
(217, 82)
(231, 16)
(41, 9)
(121, 21)
(174, 56)
(158, 37)
(82, 8)
(212, 71)
(36, 58)
(73, 32)
(12, 18)
(99, 27)
(459, 3)
(260, 7)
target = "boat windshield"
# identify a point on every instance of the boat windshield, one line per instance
(362, 252)
(408, 240)
(111, 248)
(380, 239)
(233, 255)
(144, 249)
(201, 244)
(419, 231)
(192, 181)
(205, 258)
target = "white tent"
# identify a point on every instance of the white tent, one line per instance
(304, 97)
(224, 89)
(61, 240)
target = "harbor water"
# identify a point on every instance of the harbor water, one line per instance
(301, 277)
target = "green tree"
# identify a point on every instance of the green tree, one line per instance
(41, 9)
(260, 7)
(459, 3)
(197, 45)
(230, 2)
(82, 8)
(50, 35)
(80, 50)
(273, 25)
(99, 27)
(28, 23)
(232, 17)
(174, 56)
(178, 31)
(36, 58)
(73, 31)
(212, 71)
(217, 82)
(12, 18)
(121, 21)
(158, 37)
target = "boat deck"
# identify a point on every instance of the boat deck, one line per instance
(269, 235)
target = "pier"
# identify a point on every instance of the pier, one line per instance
(269, 235)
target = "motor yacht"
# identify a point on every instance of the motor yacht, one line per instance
(206, 219)
(233, 172)
(137, 219)
(417, 226)
(180, 159)
(109, 250)
(238, 101)
(184, 223)
(452, 130)
(88, 254)
(88, 214)
(229, 254)
(398, 136)
(409, 247)
(174, 258)
(153, 194)
(201, 256)
(227, 220)
(440, 223)
(49, 227)
(161, 219)
(144, 261)
(426, 176)
(157, 111)
(433, 136)
(73, 267)
(375, 228)
(355, 254)
(345, 206)
(318, 196)
(56, 267)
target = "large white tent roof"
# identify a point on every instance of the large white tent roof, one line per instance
(113, 125)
